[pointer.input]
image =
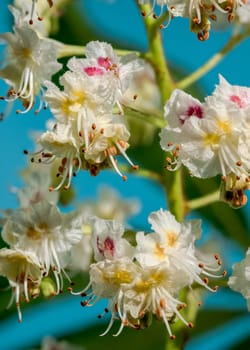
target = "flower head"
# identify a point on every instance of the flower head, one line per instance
(30, 60)
(42, 230)
(107, 240)
(24, 273)
(102, 62)
(240, 278)
(214, 138)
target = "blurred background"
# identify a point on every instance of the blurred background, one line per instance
(223, 322)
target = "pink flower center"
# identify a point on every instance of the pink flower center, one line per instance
(236, 99)
(104, 62)
(107, 248)
(194, 110)
(91, 71)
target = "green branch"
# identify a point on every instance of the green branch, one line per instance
(203, 201)
(66, 50)
(214, 60)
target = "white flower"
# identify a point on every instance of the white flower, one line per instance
(134, 292)
(60, 144)
(24, 273)
(213, 140)
(36, 187)
(30, 61)
(42, 230)
(110, 205)
(240, 278)
(230, 95)
(243, 12)
(172, 243)
(50, 343)
(107, 240)
(41, 14)
(80, 102)
(153, 292)
(108, 140)
(110, 279)
(102, 61)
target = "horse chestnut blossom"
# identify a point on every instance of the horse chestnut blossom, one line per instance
(239, 281)
(24, 273)
(102, 61)
(209, 138)
(200, 12)
(87, 135)
(30, 60)
(102, 101)
(43, 231)
(146, 279)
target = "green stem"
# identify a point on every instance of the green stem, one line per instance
(78, 50)
(214, 60)
(202, 201)
(156, 56)
(154, 118)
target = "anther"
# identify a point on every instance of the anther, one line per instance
(201, 265)
(206, 280)
(124, 177)
(238, 163)
(224, 273)
(135, 96)
(190, 325)
(50, 2)
(84, 303)
(51, 189)
(172, 337)
(25, 151)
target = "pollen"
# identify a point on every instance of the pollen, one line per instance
(120, 276)
(171, 239)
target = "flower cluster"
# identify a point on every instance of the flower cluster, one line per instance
(30, 60)
(87, 135)
(211, 138)
(201, 12)
(39, 238)
(145, 279)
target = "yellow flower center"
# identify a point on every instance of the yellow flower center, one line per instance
(171, 238)
(156, 278)
(224, 128)
(79, 98)
(37, 233)
(118, 277)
